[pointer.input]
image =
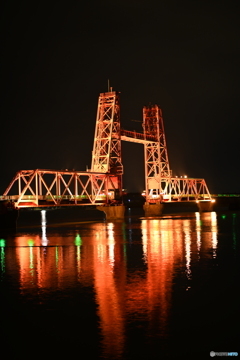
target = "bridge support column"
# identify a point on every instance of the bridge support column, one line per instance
(153, 209)
(115, 212)
(205, 206)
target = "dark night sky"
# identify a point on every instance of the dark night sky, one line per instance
(183, 55)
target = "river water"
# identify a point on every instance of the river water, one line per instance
(142, 288)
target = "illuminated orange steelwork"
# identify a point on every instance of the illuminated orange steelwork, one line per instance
(106, 155)
(103, 184)
(42, 188)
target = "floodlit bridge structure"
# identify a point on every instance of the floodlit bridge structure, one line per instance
(102, 184)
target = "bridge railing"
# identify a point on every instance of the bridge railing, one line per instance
(138, 136)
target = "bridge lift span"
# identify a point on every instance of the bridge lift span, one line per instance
(102, 184)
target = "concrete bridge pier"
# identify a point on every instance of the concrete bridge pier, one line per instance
(205, 206)
(115, 212)
(153, 209)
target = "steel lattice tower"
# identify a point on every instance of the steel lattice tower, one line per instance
(106, 156)
(157, 170)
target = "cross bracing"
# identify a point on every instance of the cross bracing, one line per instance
(60, 188)
(106, 156)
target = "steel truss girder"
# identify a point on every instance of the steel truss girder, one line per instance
(59, 188)
(179, 189)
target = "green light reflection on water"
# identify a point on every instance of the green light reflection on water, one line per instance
(78, 243)
(56, 258)
(78, 240)
(2, 243)
(2, 255)
(31, 242)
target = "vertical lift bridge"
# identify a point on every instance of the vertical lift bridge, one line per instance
(102, 185)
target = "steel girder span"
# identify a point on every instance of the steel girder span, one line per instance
(44, 188)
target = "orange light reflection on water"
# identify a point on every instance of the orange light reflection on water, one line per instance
(109, 280)
(98, 257)
(162, 247)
